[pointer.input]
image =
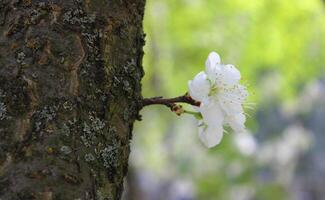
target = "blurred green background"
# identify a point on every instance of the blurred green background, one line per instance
(279, 47)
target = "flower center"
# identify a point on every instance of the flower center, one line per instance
(213, 90)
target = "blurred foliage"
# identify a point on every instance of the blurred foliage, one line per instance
(278, 45)
(286, 37)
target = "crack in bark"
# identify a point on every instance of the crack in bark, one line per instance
(74, 80)
(5, 164)
(46, 54)
(23, 124)
(56, 11)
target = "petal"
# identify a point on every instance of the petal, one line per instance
(210, 135)
(230, 106)
(237, 93)
(236, 122)
(230, 75)
(212, 66)
(212, 114)
(212, 60)
(232, 98)
(199, 87)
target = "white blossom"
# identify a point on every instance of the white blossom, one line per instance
(210, 127)
(221, 97)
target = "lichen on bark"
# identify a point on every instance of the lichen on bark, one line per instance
(70, 73)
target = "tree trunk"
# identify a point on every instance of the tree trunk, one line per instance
(70, 91)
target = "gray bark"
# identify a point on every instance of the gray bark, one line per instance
(70, 91)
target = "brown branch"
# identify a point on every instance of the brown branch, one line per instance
(171, 102)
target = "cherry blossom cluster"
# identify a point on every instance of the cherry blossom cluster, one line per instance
(221, 96)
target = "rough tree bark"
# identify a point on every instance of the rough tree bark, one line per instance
(70, 91)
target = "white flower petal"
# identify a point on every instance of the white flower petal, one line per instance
(237, 93)
(236, 122)
(212, 60)
(210, 135)
(230, 75)
(212, 114)
(199, 87)
(231, 107)
(232, 98)
(212, 67)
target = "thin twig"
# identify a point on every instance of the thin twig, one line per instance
(171, 102)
